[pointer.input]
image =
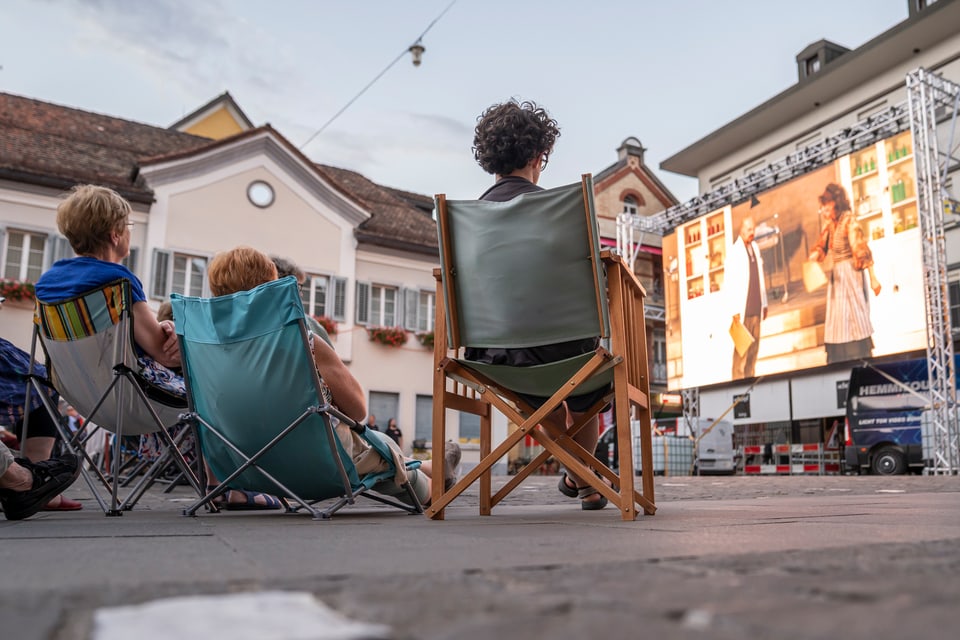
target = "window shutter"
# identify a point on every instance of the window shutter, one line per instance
(340, 299)
(132, 261)
(411, 301)
(160, 284)
(60, 249)
(363, 303)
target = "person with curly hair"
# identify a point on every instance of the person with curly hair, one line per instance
(513, 141)
(848, 332)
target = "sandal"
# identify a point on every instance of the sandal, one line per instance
(591, 505)
(250, 500)
(566, 489)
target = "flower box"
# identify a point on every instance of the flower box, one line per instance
(389, 336)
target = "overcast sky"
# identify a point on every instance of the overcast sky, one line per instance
(668, 72)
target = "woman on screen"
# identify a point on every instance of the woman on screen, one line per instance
(847, 331)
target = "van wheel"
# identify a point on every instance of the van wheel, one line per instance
(888, 462)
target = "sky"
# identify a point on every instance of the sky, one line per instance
(667, 72)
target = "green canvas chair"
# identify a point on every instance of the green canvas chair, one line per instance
(527, 273)
(91, 361)
(256, 399)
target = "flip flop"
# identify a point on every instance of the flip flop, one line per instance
(65, 504)
(250, 504)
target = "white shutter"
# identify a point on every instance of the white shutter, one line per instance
(160, 280)
(411, 302)
(58, 248)
(132, 261)
(363, 303)
(339, 299)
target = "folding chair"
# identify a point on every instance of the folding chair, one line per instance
(255, 396)
(91, 361)
(526, 273)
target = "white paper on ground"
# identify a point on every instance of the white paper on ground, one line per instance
(262, 615)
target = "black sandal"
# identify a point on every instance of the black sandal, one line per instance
(591, 505)
(566, 489)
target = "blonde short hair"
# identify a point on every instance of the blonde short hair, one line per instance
(239, 269)
(88, 216)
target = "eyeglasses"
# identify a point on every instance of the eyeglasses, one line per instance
(544, 159)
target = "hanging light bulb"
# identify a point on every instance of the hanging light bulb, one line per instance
(416, 50)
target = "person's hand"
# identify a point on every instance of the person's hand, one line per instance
(736, 318)
(764, 315)
(875, 285)
(171, 346)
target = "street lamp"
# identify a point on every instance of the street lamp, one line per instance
(416, 50)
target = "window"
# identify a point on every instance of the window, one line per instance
(659, 373)
(469, 427)
(24, 254)
(418, 309)
(812, 65)
(325, 296)
(384, 405)
(377, 305)
(177, 273)
(424, 418)
(630, 205)
(132, 261)
(953, 292)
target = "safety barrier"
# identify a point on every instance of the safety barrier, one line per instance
(810, 459)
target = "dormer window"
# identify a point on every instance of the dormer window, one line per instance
(630, 205)
(812, 65)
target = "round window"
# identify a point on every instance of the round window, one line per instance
(260, 194)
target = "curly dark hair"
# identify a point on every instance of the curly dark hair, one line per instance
(837, 195)
(509, 135)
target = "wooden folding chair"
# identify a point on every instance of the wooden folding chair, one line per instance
(525, 273)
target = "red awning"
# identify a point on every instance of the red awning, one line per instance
(612, 242)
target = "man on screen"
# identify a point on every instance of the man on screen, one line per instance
(747, 293)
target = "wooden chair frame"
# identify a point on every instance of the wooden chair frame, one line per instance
(458, 387)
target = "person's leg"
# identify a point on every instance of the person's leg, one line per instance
(11, 474)
(587, 438)
(25, 487)
(451, 462)
(41, 438)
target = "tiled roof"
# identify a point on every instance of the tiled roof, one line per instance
(398, 218)
(53, 145)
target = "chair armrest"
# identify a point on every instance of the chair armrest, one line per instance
(614, 261)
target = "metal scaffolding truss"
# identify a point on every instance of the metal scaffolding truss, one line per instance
(933, 106)
(882, 125)
(931, 114)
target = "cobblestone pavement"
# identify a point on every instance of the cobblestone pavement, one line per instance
(725, 557)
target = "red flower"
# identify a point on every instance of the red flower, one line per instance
(327, 323)
(390, 336)
(17, 290)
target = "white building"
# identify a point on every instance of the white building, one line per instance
(214, 181)
(836, 89)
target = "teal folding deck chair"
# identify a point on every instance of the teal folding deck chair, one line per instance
(526, 273)
(255, 396)
(91, 361)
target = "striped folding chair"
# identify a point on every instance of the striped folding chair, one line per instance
(91, 361)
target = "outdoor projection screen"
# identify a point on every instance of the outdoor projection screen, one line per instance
(705, 281)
